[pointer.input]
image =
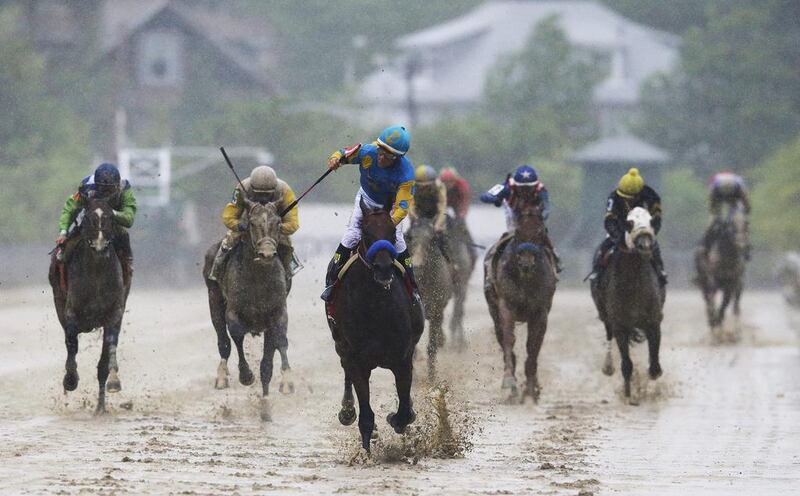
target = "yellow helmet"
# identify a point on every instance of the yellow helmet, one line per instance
(424, 174)
(630, 184)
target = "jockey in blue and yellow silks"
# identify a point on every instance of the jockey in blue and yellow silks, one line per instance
(387, 179)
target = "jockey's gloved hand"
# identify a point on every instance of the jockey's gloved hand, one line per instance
(62, 238)
(242, 226)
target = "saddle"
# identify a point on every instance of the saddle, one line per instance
(330, 308)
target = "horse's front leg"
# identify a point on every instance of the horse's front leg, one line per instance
(109, 340)
(237, 331)
(653, 333)
(347, 415)
(366, 417)
(537, 327)
(216, 304)
(507, 344)
(266, 366)
(726, 299)
(71, 378)
(457, 319)
(113, 384)
(281, 340)
(405, 414)
(435, 334)
(608, 363)
(626, 365)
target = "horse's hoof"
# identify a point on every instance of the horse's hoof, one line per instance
(534, 392)
(655, 371)
(70, 381)
(286, 385)
(100, 410)
(246, 377)
(265, 410)
(398, 426)
(347, 415)
(509, 382)
(113, 385)
(608, 369)
(221, 383)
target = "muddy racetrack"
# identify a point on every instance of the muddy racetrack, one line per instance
(724, 418)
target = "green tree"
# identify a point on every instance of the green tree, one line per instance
(43, 145)
(545, 92)
(735, 95)
(675, 16)
(776, 200)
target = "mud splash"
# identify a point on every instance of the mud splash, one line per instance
(440, 431)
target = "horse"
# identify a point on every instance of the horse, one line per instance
(629, 297)
(251, 297)
(375, 322)
(435, 281)
(721, 267)
(462, 262)
(89, 293)
(519, 284)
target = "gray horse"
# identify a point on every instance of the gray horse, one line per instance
(434, 279)
(519, 285)
(251, 297)
(629, 297)
(721, 269)
(89, 293)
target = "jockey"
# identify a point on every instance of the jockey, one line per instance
(106, 184)
(631, 192)
(430, 198)
(263, 186)
(387, 180)
(523, 185)
(458, 192)
(726, 188)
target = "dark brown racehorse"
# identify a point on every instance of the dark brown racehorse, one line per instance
(375, 323)
(519, 285)
(89, 293)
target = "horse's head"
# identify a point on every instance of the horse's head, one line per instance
(640, 235)
(525, 254)
(378, 238)
(97, 227)
(264, 229)
(529, 222)
(422, 234)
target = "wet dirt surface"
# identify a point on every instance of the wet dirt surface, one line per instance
(724, 418)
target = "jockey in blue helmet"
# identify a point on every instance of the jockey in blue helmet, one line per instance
(387, 181)
(523, 184)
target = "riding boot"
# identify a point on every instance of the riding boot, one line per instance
(405, 260)
(658, 264)
(556, 258)
(334, 267)
(122, 247)
(597, 260)
(285, 254)
(219, 262)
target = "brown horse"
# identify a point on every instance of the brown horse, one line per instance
(89, 293)
(519, 284)
(375, 323)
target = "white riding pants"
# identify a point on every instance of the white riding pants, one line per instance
(352, 234)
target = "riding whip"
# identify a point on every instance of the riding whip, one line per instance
(230, 166)
(349, 152)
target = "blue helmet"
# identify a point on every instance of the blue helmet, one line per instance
(106, 174)
(395, 139)
(525, 175)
